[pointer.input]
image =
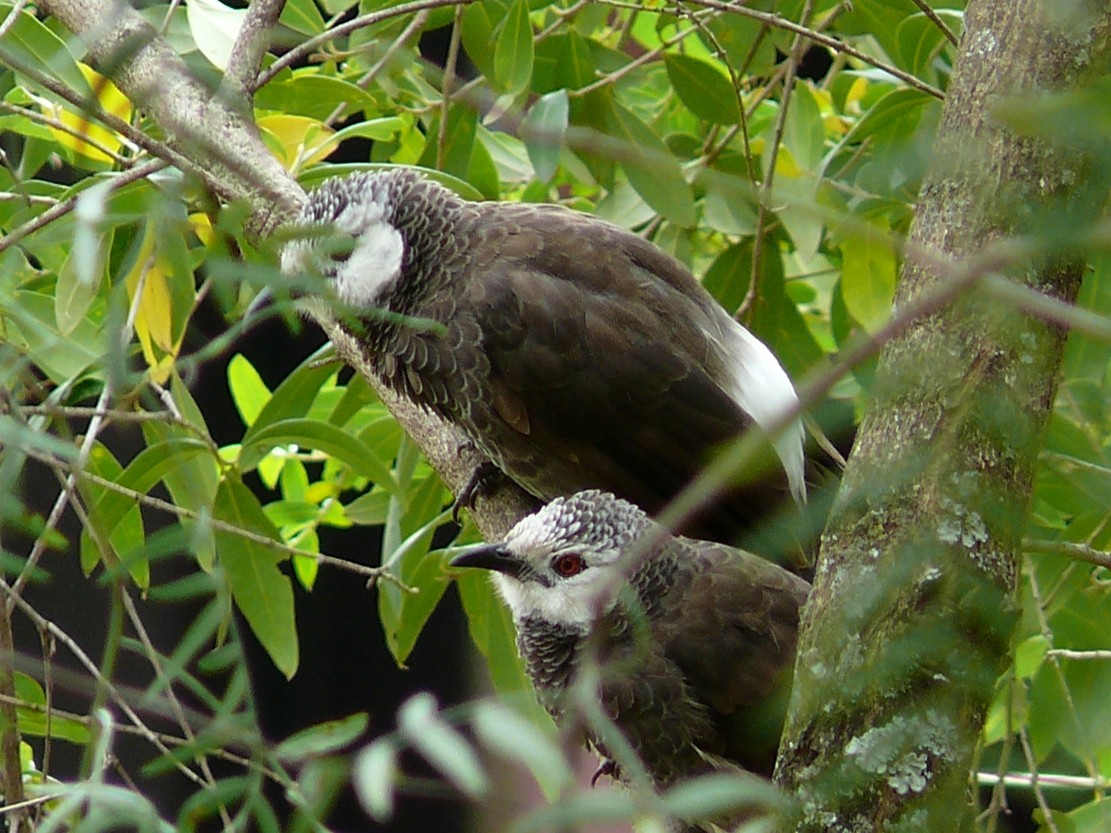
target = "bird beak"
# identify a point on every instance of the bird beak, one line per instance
(494, 557)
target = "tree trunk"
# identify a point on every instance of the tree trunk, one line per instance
(914, 601)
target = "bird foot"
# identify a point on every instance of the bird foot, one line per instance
(607, 767)
(482, 481)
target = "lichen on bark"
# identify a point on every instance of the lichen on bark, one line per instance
(914, 601)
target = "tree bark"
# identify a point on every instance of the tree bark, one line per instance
(230, 157)
(914, 600)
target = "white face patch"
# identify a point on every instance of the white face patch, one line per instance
(374, 264)
(555, 530)
(355, 210)
(764, 391)
(570, 602)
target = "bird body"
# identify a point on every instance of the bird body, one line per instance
(695, 646)
(573, 353)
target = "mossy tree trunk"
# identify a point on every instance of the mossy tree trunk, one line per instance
(914, 601)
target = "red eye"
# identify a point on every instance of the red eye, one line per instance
(568, 565)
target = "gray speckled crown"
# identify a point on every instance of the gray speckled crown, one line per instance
(596, 519)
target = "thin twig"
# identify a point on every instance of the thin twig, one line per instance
(373, 573)
(1077, 552)
(65, 639)
(84, 138)
(936, 20)
(61, 209)
(91, 432)
(171, 697)
(1051, 781)
(1035, 780)
(446, 85)
(220, 753)
(762, 206)
(304, 49)
(1066, 653)
(825, 40)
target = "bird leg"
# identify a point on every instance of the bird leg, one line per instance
(607, 767)
(482, 481)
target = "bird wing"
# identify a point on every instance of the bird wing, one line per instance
(603, 352)
(735, 641)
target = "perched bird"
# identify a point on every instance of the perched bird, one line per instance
(573, 354)
(695, 645)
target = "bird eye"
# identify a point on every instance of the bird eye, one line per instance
(568, 565)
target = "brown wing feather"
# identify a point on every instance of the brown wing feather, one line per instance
(645, 419)
(736, 646)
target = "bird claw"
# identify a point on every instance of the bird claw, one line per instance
(481, 482)
(607, 767)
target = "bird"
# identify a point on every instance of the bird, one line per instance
(694, 640)
(573, 354)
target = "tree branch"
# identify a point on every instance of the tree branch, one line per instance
(226, 152)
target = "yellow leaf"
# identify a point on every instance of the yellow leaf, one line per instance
(785, 164)
(202, 227)
(297, 141)
(111, 99)
(154, 317)
(856, 94)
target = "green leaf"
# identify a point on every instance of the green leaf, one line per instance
(215, 28)
(582, 810)
(477, 35)
(896, 105)
(261, 591)
(316, 96)
(719, 793)
(1029, 656)
(248, 391)
(804, 133)
(295, 395)
(513, 51)
(868, 279)
(29, 324)
(505, 732)
(374, 775)
(920, 42)
(543, 130)
(86, 264)
(458, 142)
(730, 274)
(323, 436)
(29, 43)
(323, 738)
(33, 721)
(302, 16)
(728, 206)
(123, 531)
(441, 745)
(652, 170)
(492, 631)
(146, 469)
(193, 480)
(404, 614)
(379, 130)
(703, 88)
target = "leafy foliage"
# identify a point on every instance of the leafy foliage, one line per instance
(693, 124)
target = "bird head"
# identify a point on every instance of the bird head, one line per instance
(351, 239)
(559, 564)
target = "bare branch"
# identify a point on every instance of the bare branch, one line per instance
(226, 150)
(249, 49)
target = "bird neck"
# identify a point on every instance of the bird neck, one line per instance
(550, 651)
(433, 223)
